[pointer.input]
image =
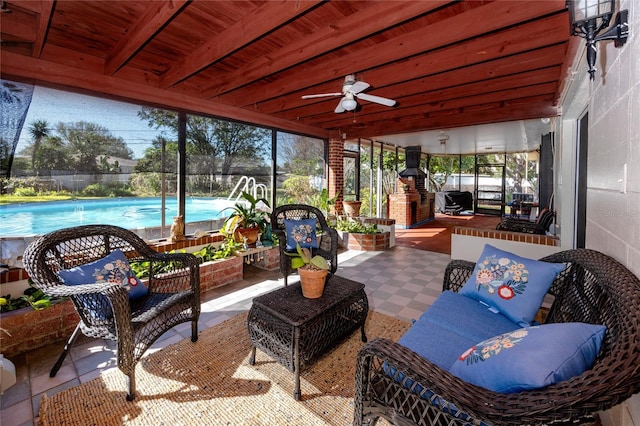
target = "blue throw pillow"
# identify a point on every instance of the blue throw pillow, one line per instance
(301, 232)
(531, 357)
(113, 268)
(513, 285)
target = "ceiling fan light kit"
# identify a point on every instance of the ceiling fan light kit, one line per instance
(351, 89)
(348, 103)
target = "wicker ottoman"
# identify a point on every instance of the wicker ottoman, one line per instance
(295, 331)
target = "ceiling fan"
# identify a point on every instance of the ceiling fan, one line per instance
(352, 89)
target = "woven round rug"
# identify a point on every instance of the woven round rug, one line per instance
(210, 382)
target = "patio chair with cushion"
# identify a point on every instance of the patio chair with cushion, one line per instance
(540, 226)
(583, 358)
(93, 266)
(306, 225)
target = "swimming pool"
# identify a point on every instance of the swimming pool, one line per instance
(19, 220)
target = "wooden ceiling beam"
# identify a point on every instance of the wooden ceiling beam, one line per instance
(250, 27)
(19, 25)
(398, 49)
(42, 26)
(379, 16)
(484, 71)
(471, 101)
(156, 16)
(453, 119)
(38, 71)
(320, 113)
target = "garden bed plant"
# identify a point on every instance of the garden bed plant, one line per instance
(31, 297)
(356, 227)
(207, 253)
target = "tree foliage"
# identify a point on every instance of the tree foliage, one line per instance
(81, 146)
(300, 155)
(89, 141)
(214, 146)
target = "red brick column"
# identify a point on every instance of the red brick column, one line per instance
(336, 175)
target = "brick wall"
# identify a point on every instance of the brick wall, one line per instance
(507, 235)
(336, 166)
(32, 329)
(368, 242)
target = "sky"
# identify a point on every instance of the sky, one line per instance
(119, 117)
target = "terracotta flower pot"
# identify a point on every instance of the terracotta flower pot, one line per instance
(251, 234)
(312, 282)
(352, 208)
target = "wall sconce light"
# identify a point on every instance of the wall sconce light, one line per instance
(589, 17)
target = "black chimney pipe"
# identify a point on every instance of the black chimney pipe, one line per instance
(412, 159)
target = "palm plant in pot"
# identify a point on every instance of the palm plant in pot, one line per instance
(313, 271)
(246, 220)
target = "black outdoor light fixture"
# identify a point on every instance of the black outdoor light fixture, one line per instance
(589, 17)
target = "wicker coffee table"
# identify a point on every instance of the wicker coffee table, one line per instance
(295, 331)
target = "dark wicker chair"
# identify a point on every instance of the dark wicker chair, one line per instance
(327, 236)
(174, 290)
(594, 288)
(540, 226)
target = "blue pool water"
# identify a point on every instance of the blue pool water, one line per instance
(19, 220)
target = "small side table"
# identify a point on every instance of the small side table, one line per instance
(295, 331)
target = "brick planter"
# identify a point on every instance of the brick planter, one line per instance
(365, 242)
(220, 272)
(31, 329)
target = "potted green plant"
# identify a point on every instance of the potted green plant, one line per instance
(246, 221)
(326, 202)
(325, 205)
(313, 271)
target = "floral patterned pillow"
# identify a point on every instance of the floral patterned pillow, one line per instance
(531, 357)
(112, 268)
(513, 285)
(301, 232)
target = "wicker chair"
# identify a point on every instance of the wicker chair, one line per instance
(105, 309)
(327, 236)
(594, 288)
(540, 226)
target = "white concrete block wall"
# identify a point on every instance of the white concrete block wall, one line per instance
(613, 217)
(469, 248)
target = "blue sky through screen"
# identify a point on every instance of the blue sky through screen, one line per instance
(120, 118)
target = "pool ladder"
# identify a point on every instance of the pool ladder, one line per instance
(248, 184)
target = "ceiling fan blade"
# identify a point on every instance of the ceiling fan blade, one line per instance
(339, 107)
(321, 95)
(358, 87)
(376, 99)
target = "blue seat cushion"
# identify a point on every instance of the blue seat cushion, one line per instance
(466, 317)
(450, 324)
(435, 343)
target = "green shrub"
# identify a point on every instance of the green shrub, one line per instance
(106, 190)
(27, 191)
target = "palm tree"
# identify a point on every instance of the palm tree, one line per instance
(38, 130)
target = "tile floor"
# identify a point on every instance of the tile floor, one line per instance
(400, 282)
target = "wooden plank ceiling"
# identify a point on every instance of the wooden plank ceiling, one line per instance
(446, 63)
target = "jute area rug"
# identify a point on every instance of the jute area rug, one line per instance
(211, 383)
